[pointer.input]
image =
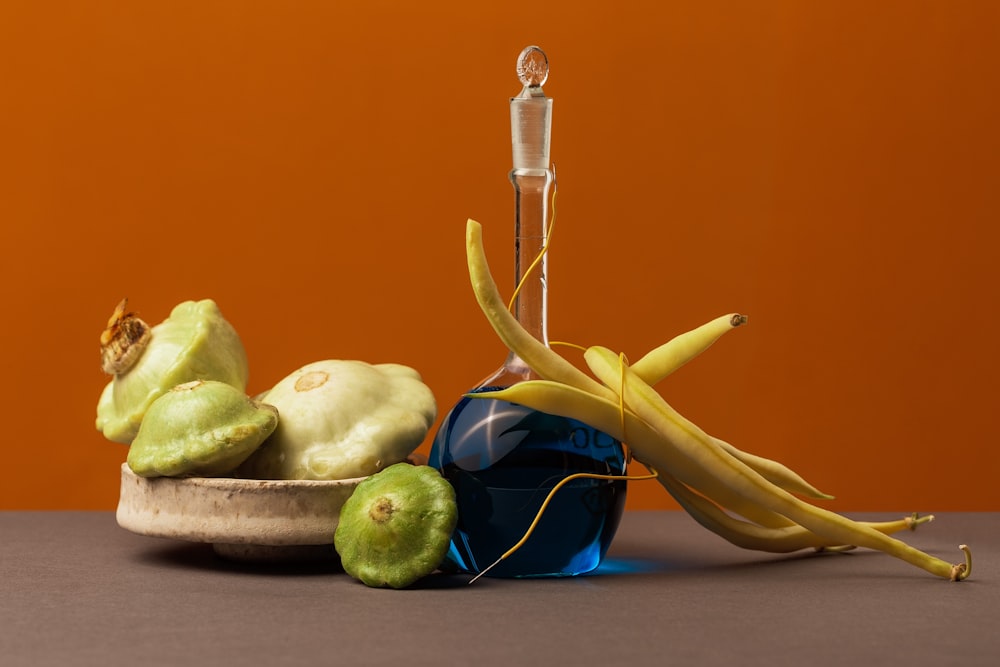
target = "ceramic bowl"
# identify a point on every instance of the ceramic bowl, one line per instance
(244, 519)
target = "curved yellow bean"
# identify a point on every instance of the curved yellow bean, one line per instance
(649, 406)
(748, 535)
(775, 472)
(661, 361)
(685, 440)
(538, 356)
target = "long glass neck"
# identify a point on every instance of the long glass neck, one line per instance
(533, 192)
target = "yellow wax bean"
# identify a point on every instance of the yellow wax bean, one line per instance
(760, 538)
(533, 352)
(661, 361)
(663, 434)
(775, 472)
(649, 406)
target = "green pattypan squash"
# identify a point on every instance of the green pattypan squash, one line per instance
(201, 429)
(396, 527)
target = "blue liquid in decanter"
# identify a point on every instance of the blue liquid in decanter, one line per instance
(503, 459)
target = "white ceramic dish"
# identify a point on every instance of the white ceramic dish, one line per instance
(245, 519)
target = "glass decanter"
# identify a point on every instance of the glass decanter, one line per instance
(503, 459)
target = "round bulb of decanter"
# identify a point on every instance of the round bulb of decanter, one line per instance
(532, 67)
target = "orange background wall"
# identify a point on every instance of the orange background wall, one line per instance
(831, 169)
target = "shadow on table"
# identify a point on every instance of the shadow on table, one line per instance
(625, 563)
(190, 555)
(805, 563)
(203, 556)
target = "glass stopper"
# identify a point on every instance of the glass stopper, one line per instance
(532, 67)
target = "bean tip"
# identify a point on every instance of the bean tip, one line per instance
(915, 520)
(961, 571)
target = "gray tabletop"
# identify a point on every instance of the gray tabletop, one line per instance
(79, 590)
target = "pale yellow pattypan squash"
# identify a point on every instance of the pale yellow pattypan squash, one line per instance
(340, 419)
(194, 343)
